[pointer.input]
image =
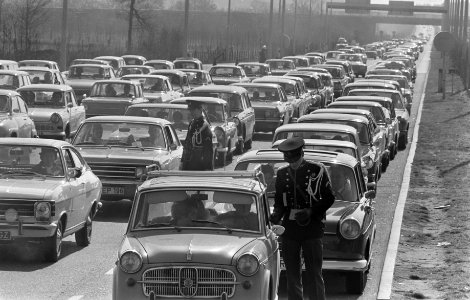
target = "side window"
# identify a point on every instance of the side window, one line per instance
(172, 137)
(185, 80)
(14, 105)
(67, 98)
(72, 98)
(168, 85)
(69, 163)
(77, 160)
(246, 101)
(22, 106)
(360, 179)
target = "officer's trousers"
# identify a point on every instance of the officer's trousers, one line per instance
(313, 257)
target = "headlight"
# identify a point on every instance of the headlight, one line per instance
(248, 264)
(130, 262)
(11, 215)
(56, 118)
(140, 171)
(42, 211)
(350, 228)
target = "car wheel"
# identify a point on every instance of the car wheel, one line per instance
(356, 282)
(392, 153)
(385, 163)
(402, 141)
(54, 244)
(83, 236)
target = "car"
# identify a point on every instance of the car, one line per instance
(316, 54)
(198, 77)
(8, 64)
(314, 85)
(270, 103)
(13, 79)
(406, 87)
(348, 70)
(357, 63)
(366, 84)
(398, 105)
(43, 206)
(280, 66)
(112, 97)
(339, 78)
(350, 225)
(333, 54)
(133, 70)
(14, 118)
(383, 72)
(227, 74)
(299, 61)
(54, 110)
(158, 64)
(156, 88)
(239, 110)
(301, 105)
(384, 115)
(372, 140)
(134, 59)
(179, 80)
(201, 235)
(225, 131)
(86, 61)
(188, 63)
(255, 69)
(178, 114)
(43, 75)
(39, 63)
(372, 54)
(114, 61)
(121, 150)
(81, 77)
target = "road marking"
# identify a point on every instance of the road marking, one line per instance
(78, 297)
(110, 272)
(386, 280)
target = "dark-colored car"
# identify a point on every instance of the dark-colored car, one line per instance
(81, 77)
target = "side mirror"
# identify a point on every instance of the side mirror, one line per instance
(74, 172)
(173, 147)
(278, 229)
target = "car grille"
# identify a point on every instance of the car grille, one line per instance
(44, 126)
(24, 208)
(188, 282)
(115, 171)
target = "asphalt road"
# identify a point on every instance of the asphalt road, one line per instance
(85, 273)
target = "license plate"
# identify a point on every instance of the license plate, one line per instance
(113, 190)
(5, 235)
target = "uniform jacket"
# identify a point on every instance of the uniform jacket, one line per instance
(313, 180)
(198, 153)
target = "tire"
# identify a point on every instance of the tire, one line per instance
(356, 282)
(385, 163)
(402, 141)
(54, 244)
(83, 236)
(392, 152)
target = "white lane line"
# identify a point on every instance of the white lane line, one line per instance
(110, 272)
(386, 280)
(78, 297)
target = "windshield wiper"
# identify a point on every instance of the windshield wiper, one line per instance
(89, 143)
(230, 230)
(163, 225)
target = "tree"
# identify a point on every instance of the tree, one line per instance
(199, 5)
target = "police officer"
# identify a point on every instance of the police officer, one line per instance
(198, 153)
(303, 195)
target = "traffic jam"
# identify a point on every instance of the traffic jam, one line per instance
(163, 133)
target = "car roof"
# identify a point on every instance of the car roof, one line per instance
(116, 81)
(136, 66)
(225, 66)
(364, 82)
(8, 93)
(320, 142)
(35, 68)
(159, 61)
(91, 65)
(200, 99)
(302, 74)
(253, 63)
(109, 57)
(313, 155)
(271, 79)
(256, 84)
(133, 56)
(124, 119)
(49, 87)
(33, 142)
(162, 105)
(363, 98)
(16, 72)
(145, 76)
(227, 180)
(315, 126)
(352, 111)
(194, 70)
(168, 71)
(279, 59)
(37, 60)
(220, 88)
(375, 90)
(334, 116)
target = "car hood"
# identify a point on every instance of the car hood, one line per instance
(44, 113)
(213, 249)
(27, 188)
(80, 83)
(119, 155)
(334, 214)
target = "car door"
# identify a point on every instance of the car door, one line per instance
(250, 116)
(174, 147)
(27, 123)
(19, 118)
(75, 190)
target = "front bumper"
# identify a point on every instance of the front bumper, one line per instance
(21, 232)
(51, 135)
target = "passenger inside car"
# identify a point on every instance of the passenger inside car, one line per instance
(342, 181)
(241, 217)
(110, 91)
(49, 164)
(154, 139)
(185, 212)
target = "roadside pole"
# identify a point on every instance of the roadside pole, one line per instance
(444, 73)
(445, 42)
(63, 42)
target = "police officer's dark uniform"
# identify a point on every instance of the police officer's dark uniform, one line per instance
(198, 152)
(303, 195)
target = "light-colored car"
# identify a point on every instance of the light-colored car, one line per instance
(156, 88)
(8, 64)
(44, 75)
(134, 59)
(350, 222)
(122, 149)
(339, 78)
(199, 235)
(197, 77)
(224, 129)
(179, 80)
(255, 69)
(113, 97)
(39, 63)
(187, 63)
(280, 66)
(13, 79)
(366, 84)
(272, 109)
(158, 64)
(134, 70)
(227, 74)
(14, 118)
(357, 63)
(43, 204)
(114, 61)
(299, 61)
(54, 109)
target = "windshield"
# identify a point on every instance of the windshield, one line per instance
(104, 89)
(4, 103)
(186, 65)
(150, 85)
(253, 70)
(263, 94)
(197, 208)
(360, 127)
(132, 70)
(349, 57)
(181, 117)
(9, 81)
(234, 100)
(281, 65)
(343, 181)
(44, 98)
(158, 66)
(120, 135)
(225, 72)
(320, 135)
(85, 72)
(335, 72)
(23, 160)
(310, 83)
(196, 78)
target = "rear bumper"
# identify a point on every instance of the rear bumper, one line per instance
(127, 189)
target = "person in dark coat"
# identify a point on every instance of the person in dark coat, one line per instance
(303, 195)
(198, 151)
(263, 54)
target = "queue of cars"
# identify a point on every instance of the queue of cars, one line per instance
(126, 138)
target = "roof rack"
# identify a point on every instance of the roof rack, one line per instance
(254, 174)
